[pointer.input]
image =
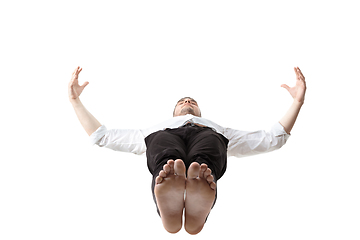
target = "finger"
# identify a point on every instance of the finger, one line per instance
(76, 75)
(301, 74)
(298, 74)
(295, 70)
(84, 85)
(75, 70)
(285, 86)
(73, 78)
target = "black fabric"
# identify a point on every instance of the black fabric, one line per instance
(190, 143)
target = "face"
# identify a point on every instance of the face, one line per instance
(185, 106)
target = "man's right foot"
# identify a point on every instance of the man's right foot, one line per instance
(169, 192)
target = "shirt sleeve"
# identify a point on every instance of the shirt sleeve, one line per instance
(242, 143)
(124, 140)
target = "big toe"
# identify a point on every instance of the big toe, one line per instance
(194, 170)
(179, 168)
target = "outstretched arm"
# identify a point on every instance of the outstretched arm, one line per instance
(87, 120)
(298, 94)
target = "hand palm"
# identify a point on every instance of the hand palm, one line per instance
(298, 91)
(74, 88)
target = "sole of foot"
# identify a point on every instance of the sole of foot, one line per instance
(200, 196)
(169, 192)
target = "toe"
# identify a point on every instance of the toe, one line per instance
(213, 186)
(158, 180)
(210, 179)
(194, 170)
(179, 168)
(162, 174)
(203, 168)
(167, 168)
(171, 162)
(207, 173)
(171, 165)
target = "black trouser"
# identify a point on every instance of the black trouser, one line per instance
(190, 143)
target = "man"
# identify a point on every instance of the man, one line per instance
(187, 154)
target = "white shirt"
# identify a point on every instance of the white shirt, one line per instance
(241, 143)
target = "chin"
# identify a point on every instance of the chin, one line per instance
(187, 111)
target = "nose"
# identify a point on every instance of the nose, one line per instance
(187, 100)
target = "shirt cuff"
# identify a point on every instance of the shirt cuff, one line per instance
(279, 130)
(97, 135)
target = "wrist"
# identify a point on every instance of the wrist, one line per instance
(75, 101)
(298, 103)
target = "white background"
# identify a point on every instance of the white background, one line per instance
(140, 57)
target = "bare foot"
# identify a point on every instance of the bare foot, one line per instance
(200, 196)
(169, 192)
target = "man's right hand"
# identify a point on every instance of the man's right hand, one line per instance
(88, 121)
(74, 88)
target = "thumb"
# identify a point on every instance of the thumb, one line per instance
(285, 86)
(84, 85)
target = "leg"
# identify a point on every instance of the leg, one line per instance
(169, 192)
(207, 146)
(209, 149)
(162, 146)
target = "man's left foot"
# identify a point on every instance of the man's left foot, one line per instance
(200, 196)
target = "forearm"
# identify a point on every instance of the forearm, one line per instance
(87, 120)
(290, 117)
